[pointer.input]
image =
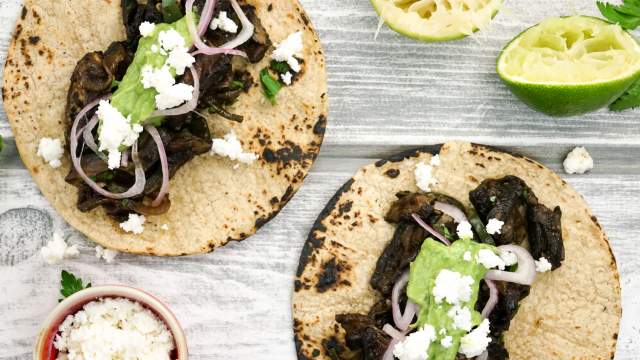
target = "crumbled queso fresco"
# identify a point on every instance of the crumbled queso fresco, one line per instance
(115, 131)
(113, 329)
(230, 147)
(416, 345)
(475, 343)
(289, 51)
(51, 151)
(57, 250)
(578, 161)
(452, 287)
(223, 23)
(424, 174)
(135, 224)
(494, 226)
(464, 230)
(107, 255)
(543, 265)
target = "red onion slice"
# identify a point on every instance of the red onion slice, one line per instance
(87, 135)
(138, 186)
(395, 300)
(457, 214)
(125, 159)
(526, 273)
(388, 355)
(247, 28)
(483, 356)
(393, 332)
(164, 162)
(189, 105)
(430, 230)
(493, 298)
(206, 17)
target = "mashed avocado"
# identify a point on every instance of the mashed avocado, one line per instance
(131, 98)
(432, 259)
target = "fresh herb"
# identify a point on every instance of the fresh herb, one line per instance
(105, 176)
(171, 11)
(447, 233)
(479, 227)
(270, 85)
(236, 85)
(114, 84)
(281, 67)
(626, 14)
(69, 284)
(630, 99)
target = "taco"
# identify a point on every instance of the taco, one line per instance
(473, 253)
(185, 124)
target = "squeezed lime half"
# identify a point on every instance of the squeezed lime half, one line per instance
(436, 20)
(570, 65)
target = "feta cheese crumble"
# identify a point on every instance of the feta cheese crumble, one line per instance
(174, 96)
(160, 79)
(115, 131)
(467, 256)
(223, 23)
(416, 345)
(135, 224)
(446, 342)
(171, 39)
(490, 260)
(147, 29)
(461, 317)
(424, 174)
(464, 230)
(169, 94)
(57, 250)
(543, 265)
(107, 255)
(180, 60)
(164, 227)
(51, 151)
(288, 49)
(475, 343)
(113, 329)
(578, 161)
(287, 78)
(230, 147)
(509, 258)
(452, 287)
(494, 226)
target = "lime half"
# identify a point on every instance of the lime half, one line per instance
(436, 20)
(570, 65)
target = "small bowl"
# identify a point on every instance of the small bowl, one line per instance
(45, 350)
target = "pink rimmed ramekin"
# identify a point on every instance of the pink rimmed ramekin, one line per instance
(44, 349)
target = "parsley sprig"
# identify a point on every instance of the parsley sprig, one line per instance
(626, 14)
(70, 284)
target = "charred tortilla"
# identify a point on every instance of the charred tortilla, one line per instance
(571, 313)
(212, 203)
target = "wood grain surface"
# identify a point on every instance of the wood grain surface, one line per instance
(386, 95)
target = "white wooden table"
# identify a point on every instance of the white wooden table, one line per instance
(385, 96)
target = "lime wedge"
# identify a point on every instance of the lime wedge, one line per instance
(570, 65)
(436, 20)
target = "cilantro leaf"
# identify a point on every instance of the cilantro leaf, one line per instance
(69, 284)
(627, 14)
(630, 99)
(171, 11)
(281, 67)
(270, 85)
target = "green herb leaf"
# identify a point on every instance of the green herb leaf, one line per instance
(281, 67)
(171, 11)
(447, 233)
(270, 85)
(69, 284)
(629, 100)
(627, 14)
(236, 85)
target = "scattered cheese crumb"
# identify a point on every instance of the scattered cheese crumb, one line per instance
(452, 287)
(461, 317)
(475, 343)
(113, 329)
(107, 255)
(578, 161)
(164, 227)
(154, 48)
(57, 250)
(446, 342)
(416, 345)
(180, 60)
(230, 147)
(288, 49)
(223, 23)
(543, 265)
(160, 79)
(135, 224)
(286, 78)
(494, 226)
(174, 96)
(147, 29)
(489, 259)
(115, 131)
(424, 174)
(171, 39)
(51, 151)
(435, 160)
(467, 256)
(464, 230)
(509, 258)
